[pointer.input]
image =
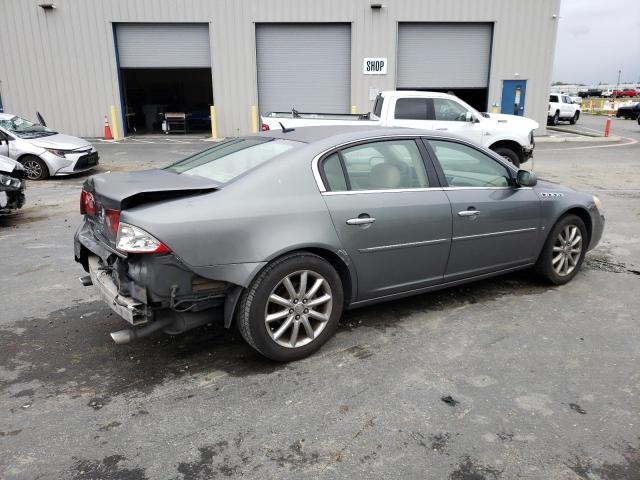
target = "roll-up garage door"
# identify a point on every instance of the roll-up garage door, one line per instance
(304, 66)
(163, 45)
(444, 55)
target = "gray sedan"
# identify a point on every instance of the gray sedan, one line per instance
(283, 231)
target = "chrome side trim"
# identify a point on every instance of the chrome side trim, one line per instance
(486, 188)
(399, 190)
(493, 234)
(402, 245)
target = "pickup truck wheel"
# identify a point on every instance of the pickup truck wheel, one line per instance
(555, 120)
(575, 118)
(292, 307)
(564, 250)
(36, 169)
(508, 154)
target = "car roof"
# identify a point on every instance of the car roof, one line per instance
(6, 116)
(347, 133)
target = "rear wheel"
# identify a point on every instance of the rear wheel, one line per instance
(575, 118)
(508, 154)
(564, 250)
(555, 120)
(292, 308)
(36, 168)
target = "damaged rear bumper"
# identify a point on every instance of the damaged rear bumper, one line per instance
(152, 292)
(129, 309)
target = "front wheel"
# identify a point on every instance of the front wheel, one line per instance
(509, 155)
(35, 167)
(564, 250)
(292, 307)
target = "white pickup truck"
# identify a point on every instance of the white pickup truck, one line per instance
(562, 107)
(508, 135)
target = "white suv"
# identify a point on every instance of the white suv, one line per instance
(561, 107)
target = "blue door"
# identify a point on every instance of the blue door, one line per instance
(513, 92)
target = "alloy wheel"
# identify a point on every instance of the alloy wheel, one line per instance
(567, 250)
(33, 168)
(298, 309)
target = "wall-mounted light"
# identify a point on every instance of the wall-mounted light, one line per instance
(376, 6)
(47, 6)
(516, 74)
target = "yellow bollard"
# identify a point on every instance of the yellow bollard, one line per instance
(254, 119)
(115, 131)
(494, 108)
(214, 122)
(353, 109)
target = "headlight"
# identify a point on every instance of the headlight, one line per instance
(135, 240)
(598, 204)
(10, 182)
(56, 152)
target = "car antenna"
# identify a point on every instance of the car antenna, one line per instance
(286, 130)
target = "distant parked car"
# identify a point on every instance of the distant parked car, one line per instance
(43, 151)
(561, 107)
(607, 93)
(629, 111)
(629, 92)
(592, 92)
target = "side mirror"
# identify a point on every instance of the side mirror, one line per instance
(525, 178)
(468, 117)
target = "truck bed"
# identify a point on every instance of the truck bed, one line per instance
(292, 119)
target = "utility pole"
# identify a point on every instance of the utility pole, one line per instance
(617, 85)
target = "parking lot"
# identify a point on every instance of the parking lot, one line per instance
(544, 380)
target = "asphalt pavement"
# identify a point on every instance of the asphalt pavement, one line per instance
(544, 381)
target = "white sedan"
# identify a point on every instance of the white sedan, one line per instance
(43, 151)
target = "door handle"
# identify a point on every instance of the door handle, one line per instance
(361, 221)
(443, 128)
(469, 213)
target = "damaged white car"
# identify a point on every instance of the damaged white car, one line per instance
(12, 185)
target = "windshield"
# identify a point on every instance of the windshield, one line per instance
(25, 129)
(226, 161)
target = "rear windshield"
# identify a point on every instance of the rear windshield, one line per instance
(225, 161)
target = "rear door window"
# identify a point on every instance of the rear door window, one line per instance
(382, 165)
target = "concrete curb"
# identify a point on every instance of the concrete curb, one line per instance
(577, 138)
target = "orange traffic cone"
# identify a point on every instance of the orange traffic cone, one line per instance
(107, 129)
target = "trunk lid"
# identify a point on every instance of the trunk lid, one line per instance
(114, 192)
(117, 191)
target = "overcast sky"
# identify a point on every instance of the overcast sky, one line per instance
(596, 38)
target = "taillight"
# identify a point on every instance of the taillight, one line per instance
(265, 127)
(112, 220)
(135, 240)
(87, 203)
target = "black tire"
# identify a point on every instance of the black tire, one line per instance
(255, 301)
(545, 263)
(35, 167)
(618, 114)
(555, 120)
(508, 154)
(575, 118)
